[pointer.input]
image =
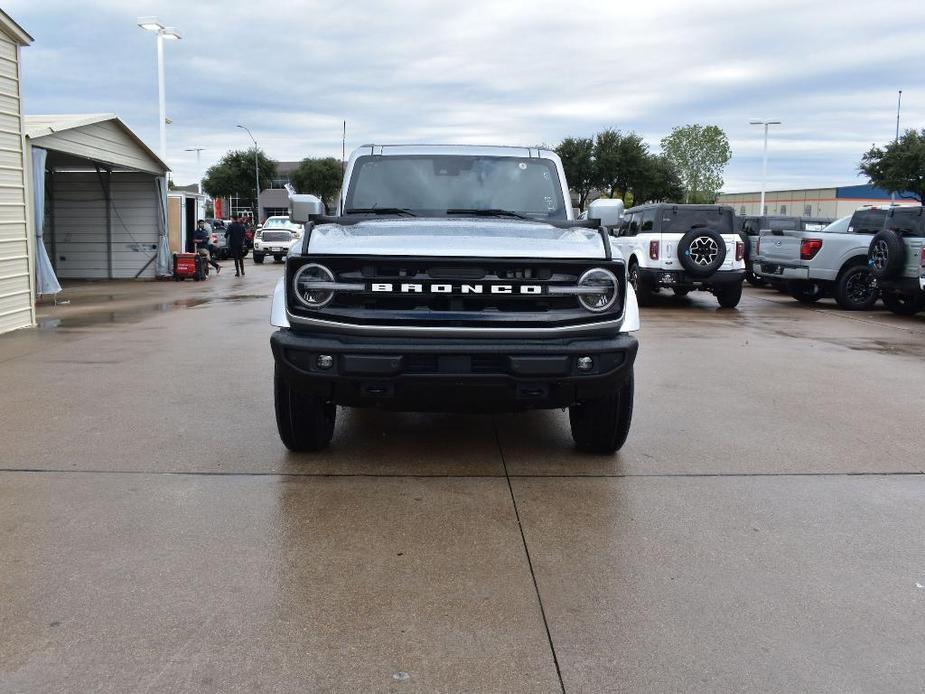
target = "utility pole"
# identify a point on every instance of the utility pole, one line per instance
(256, 176)
(343, 148)
(197, 150)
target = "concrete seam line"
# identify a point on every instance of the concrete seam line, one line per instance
(523, 539)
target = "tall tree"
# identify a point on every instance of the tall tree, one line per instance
(660, 182)
(900, 166)
(321, 177)
(619, 161)
(577, 154)
(700, 153)
(235, 175)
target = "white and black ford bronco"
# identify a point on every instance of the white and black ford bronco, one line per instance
(454, 278)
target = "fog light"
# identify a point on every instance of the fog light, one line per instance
(324, 361)
(585, 363)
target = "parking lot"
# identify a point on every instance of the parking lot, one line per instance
(762, 529)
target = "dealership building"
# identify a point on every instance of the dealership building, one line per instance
(808, 202)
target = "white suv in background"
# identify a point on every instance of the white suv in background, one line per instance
(683, 248)
(275, 237)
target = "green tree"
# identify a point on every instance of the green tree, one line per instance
(659, 182)
(900, 166)
(234, 175)
(700, 154)
(321, 177)
(577, 154)
(619, 161)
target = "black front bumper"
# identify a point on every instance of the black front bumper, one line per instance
(684, 280)
(443, 375)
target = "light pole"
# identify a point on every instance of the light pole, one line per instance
(764, 163)
(899, 103)
(256, 174)
(170, 33)
(197, 150)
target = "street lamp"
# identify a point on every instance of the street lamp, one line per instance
(197, 150)
(764, 164)
(256, 173)
(169, 33)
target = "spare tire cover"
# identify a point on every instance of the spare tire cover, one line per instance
(886, 255)
(702, 251)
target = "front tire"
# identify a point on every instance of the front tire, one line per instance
(903, 304)
(258, 258)
(680, 292)
(854, 290)
(278, 258)
(305, 421)
(601, 425)
(728, 295)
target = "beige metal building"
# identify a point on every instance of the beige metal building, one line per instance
(835, 202)
(17, 297)
(104, 195)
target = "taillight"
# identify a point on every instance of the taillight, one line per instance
(740, 250)
(923, 254)
(809, 248)
(653, 250)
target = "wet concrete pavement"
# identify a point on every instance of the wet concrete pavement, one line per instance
(762, 530)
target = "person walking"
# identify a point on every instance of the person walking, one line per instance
(204, 247)
(234, 234)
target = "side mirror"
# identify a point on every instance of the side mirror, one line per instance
(609, 212)
(303, 207)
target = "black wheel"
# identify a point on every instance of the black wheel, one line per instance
(702, 251)
(258, 258)
(278, 258)
(886, 254)
(804, 292)
(678, 291)
(305, 422)
(903, 304)
(754, 279)
(640, 286)
(728, 295)
(601, 425)
(855, 290)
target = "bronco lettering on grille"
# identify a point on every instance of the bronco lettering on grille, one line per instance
(444, 288)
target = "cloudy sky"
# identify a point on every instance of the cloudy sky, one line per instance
(491, 72)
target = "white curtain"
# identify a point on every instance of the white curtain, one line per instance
(162, 266)
(45, 280)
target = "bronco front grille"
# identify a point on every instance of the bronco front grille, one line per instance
(391, 291)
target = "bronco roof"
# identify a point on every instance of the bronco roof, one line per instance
(462, 150)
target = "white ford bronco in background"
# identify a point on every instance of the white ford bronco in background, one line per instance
(683, 248)
(454, 278)
(896, 258)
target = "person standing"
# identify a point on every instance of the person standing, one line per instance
(203, 240)
(234, 234)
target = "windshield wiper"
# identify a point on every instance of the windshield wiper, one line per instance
(479, 212)
(381, 210)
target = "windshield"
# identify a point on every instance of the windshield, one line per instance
(279, 223)
(429, 185)
(680, 220)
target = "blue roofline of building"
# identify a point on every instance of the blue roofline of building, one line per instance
(865, 192)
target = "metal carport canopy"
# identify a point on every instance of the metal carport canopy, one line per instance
(112, 232)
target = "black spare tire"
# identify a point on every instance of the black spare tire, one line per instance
(886, 254)
(702, 251)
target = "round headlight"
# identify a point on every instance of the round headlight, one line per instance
(309, 282)
(605, 289)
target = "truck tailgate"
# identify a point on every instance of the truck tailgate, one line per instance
(781, 248)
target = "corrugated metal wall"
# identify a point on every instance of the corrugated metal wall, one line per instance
(77, 240)
(16, 307)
